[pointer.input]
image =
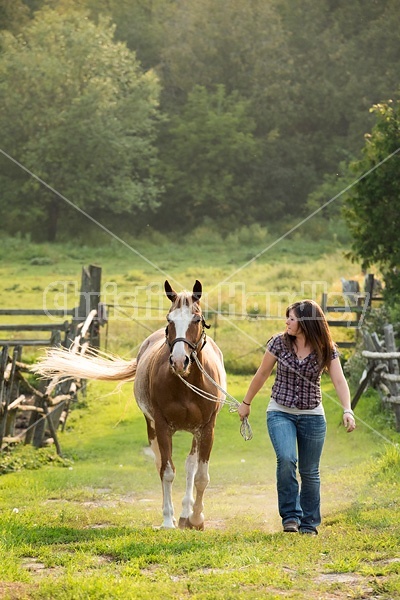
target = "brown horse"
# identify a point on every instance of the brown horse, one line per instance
(163, 365)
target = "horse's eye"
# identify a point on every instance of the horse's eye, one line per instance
(196, 319)
(168, 320)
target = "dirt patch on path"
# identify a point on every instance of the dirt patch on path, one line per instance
(15, 591)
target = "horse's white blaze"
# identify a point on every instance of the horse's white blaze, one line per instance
(181, 317)
(168, 507)
(188, 500)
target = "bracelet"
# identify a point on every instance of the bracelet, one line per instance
(246, 403)
(349, 411)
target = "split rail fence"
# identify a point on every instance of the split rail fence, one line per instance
(383, 371)
(32, 409)
(354, 310)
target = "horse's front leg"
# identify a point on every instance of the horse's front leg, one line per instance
(188, 500)
(201, 476)
(167, 474)
(201, 481)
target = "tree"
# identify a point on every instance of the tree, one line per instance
(373, 208)
(240, 45)
(14, 14)
(139, 23)
(208, 156)
(78, 111)
(344, 59)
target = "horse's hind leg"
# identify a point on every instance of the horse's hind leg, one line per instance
(188, 500)
(151, 436)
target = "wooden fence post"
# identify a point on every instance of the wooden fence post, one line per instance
(89, 299)
(3, 393)
(394, 369)
(13, 387)
(324, 302)
(36, 434)
(7, 424)
(369, 289)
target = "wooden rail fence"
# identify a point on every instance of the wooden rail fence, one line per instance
(354, 310)
(383, 371)
(28, 413)
(31, 409)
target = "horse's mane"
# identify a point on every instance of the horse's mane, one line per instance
(186, 299)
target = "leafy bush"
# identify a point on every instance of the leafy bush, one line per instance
(28, 457)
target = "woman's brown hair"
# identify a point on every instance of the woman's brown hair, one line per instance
(314, 325)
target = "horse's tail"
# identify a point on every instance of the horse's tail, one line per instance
(59, 362)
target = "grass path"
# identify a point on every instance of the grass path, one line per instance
(88, 529)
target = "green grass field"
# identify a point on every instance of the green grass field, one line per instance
(86, 527)
(252, 296)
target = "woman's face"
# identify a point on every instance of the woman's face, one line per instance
(292, 324)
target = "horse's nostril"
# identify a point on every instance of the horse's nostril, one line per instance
(181, 365)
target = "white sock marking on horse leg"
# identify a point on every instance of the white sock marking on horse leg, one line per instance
(168, 507)
(188, 500)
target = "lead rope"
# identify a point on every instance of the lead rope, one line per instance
(245, 428)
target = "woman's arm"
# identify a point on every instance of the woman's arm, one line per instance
(342, 389)
(261, 376)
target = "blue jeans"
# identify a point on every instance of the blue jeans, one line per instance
(299, 436)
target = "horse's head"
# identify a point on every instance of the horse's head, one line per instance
(185, 330)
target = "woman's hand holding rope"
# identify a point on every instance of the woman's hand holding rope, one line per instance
(245, 428)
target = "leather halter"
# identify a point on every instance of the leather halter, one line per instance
(193, 346)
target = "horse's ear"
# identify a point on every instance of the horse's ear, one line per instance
(197, 289)
(171, 294)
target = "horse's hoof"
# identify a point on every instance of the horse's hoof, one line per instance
(184, 523)
(199, 527)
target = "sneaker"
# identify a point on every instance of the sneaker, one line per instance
(291, 527)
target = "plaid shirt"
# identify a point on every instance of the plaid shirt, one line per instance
(297, 383)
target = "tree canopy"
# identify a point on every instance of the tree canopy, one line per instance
(78, 112)
(373, 208)
(209, 157)
(137, 108)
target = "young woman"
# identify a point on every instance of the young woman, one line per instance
(295, 415)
